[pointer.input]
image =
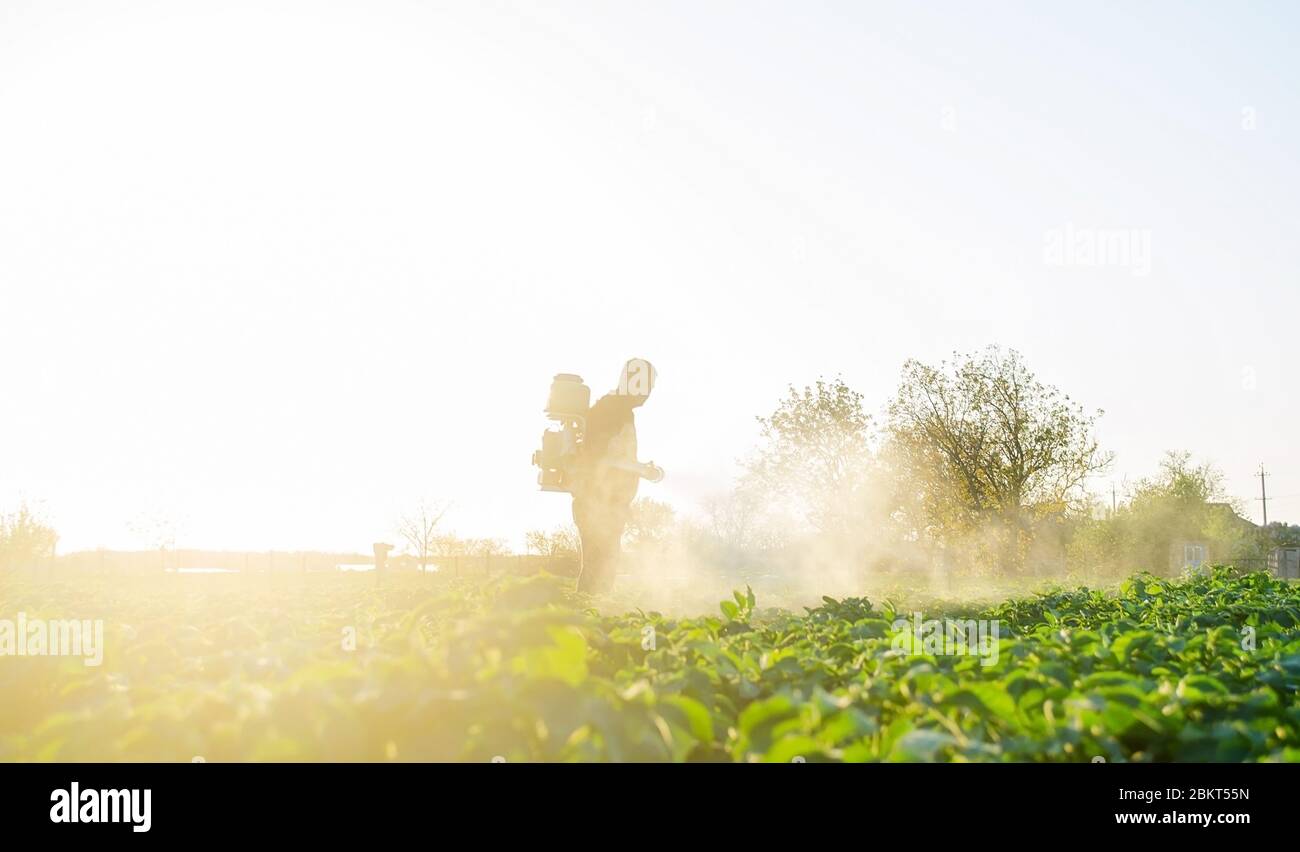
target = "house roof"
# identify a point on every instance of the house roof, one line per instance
(1232, 510)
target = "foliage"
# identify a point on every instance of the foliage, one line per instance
(1182, 502)
(651, 523)
(25, 539)
(986, 446)
(741, 520)
(562, 541)
(235, 668)
(1281, 534)
(815, 457)
(450, 544)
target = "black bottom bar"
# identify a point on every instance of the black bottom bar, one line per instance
(368, 801)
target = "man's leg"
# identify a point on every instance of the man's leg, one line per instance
(587, 548)
(598, 556)
(599, 533)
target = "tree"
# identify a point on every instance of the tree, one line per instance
(815, 457)
(1282, 534)
(650, 523)
(1181, 502)
(1178, 481)
(1184, 501)
(445, 545)
(25, 539)
(487, 547)
(736, 519)
(989, 448)
(562, 541)
(1097, 541)
(418, 529)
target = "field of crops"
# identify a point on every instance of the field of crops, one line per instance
(224, 668)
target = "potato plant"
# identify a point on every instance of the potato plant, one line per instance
(334, 668)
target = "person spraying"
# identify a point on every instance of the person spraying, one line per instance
(593, 456)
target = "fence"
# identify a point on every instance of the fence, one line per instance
(511, 564)
(281, 563)
(1285, 562)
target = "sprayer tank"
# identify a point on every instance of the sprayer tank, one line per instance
(569, 396)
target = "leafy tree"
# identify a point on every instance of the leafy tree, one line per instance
(986, 447)
(1170, 506)
(1283, 535)
(815, 457)
(1097, 540)
(1179, 482)
(739, 520)
(25, 539)
(1182, 501)
(651, 523)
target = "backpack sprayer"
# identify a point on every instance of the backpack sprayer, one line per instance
(567, 405)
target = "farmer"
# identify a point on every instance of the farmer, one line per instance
(606, 476)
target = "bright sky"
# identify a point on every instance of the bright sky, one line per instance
(275, 270)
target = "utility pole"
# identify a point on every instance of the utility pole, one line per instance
(1263, 492)
(1112, 499)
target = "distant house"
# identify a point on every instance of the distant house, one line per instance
(1214, 547)
(1188, 555)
